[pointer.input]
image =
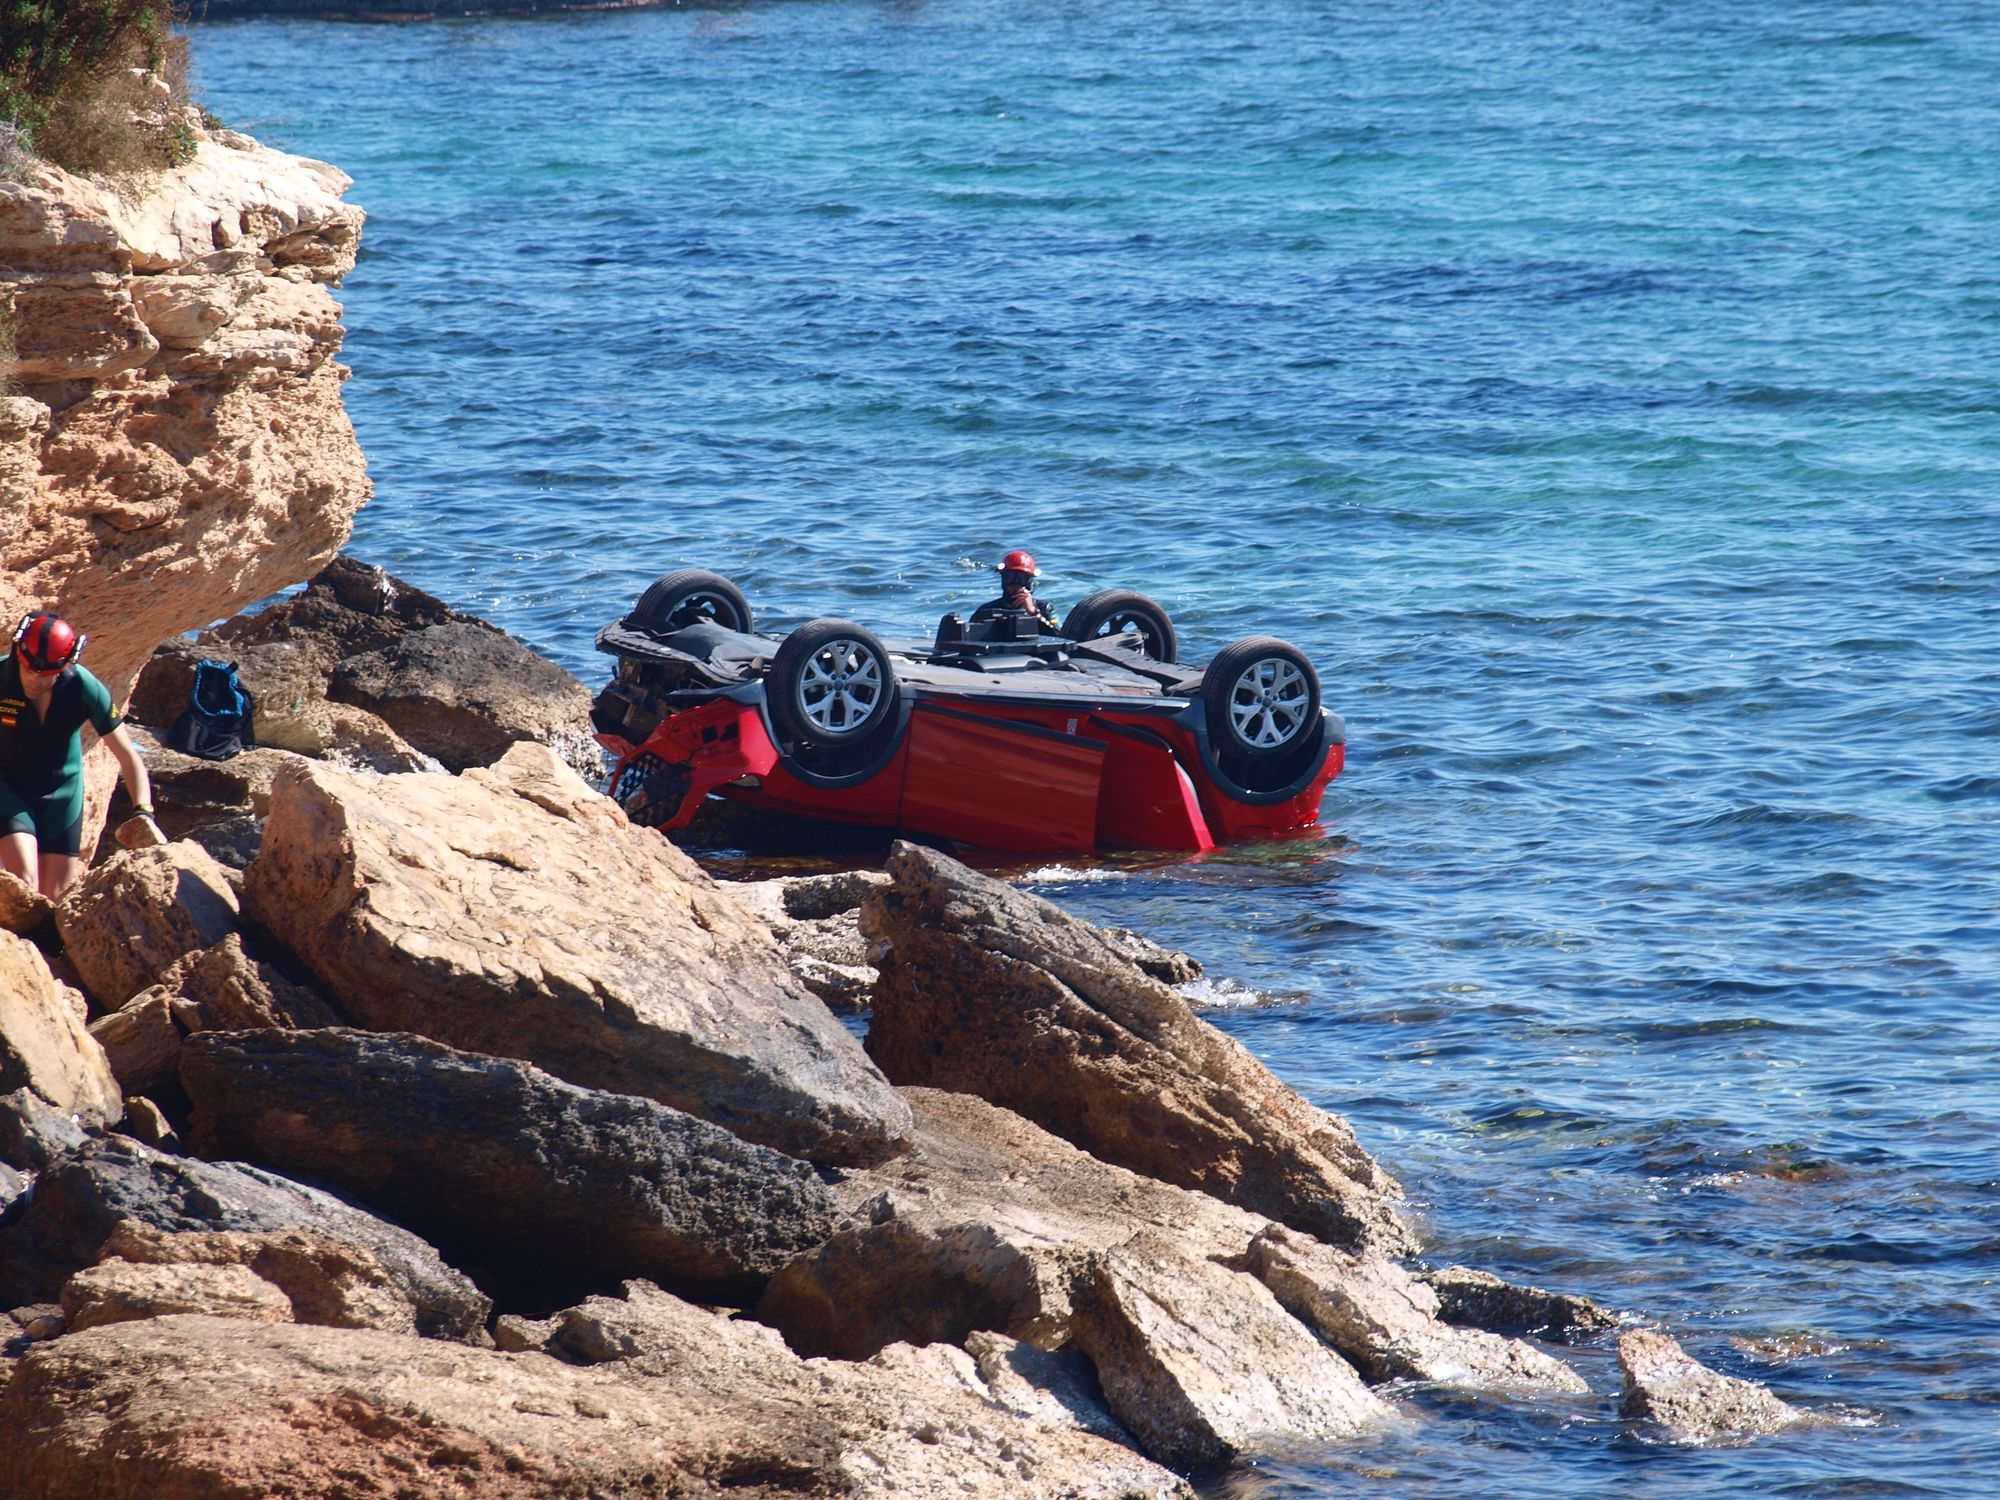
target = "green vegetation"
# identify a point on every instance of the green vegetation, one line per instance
(96, 85)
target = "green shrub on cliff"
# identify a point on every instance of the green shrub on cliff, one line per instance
(93, 84)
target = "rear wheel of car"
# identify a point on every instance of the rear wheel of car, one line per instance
(831, 684)
(1114, 611)
(1262, 698)
(689, 596)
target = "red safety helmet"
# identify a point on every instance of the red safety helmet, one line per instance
(1018, 561)
(46, 641)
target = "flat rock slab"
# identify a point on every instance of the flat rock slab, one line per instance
(986, 1223)
(188, 1408)
(988, 990)
(1385, 1320)
(1200, 1363)
(515, 912)
(495, 1158)
(83, 1198)
(1688, 1401)
(1479, 1299)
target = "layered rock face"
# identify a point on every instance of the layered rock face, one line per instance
(177, 447)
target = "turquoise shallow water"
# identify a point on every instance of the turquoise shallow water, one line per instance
(1603, 395)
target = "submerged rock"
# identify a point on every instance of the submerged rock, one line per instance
(504, 1162)
(991, 991)
(1690, 1402)
(1479, 1299)
(514, 911)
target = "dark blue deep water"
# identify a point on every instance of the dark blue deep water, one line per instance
(1603, 394)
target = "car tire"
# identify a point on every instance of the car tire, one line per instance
(689, 596)
(1112, 611)
(831, 684)
(1262, 702)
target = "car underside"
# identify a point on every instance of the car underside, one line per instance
(998, 733)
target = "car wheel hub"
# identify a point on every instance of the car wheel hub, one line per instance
(841, 687)
(1269, 703)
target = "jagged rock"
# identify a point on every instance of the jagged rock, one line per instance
(1201, 1363)
(187, 1407)
(13, 1187)
(144, 1122)
(910, 1420)
(1168, 965)
(1050, 1387)
(33, 1132)
(1692, 1403)
(210, 459)
(995, 992)
(985, 1223)
(117, 1291)
(230, 990)
(140, 1041)
(127, 920)
(23, 909)
(1479, 1299)
(465, 692)
(813, 919)
(43, 1044)
(80, 1200)
(514, 911)
(330, 1282)
(514, 1334)
(1385, 1321)
(502, 1160)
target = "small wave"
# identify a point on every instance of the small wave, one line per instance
(1964, 789)
(1068, 875)
(1222, 994)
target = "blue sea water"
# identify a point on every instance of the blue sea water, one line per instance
(1603, 394)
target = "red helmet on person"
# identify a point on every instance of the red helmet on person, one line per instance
(46, 641)
(1018, 561)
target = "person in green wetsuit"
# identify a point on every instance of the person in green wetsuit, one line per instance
(45, 700)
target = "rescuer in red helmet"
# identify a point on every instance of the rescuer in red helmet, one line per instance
(1018, 573)
(45, 700)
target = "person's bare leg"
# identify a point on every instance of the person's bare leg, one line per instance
(59, 872)
(17, 856)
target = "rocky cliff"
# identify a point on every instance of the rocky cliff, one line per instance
(173, 446)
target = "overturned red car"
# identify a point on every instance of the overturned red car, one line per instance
(999, 733)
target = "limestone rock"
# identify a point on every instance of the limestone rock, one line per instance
(995, 992)
(145, 1122)
(986, 1223)
(1385, 1321)
(180, 421)
(13, 1187)
(33, 1132)
(503, 1161)
(1201, 1363)
(908, 1421)
(140, 1041)
(118, 1291)
(515, 912)
(80, 1200)
(1479, 1299)
(186, 1407)
(465, 692)
(813, 918)
(232, 991)
(1692, 1403)
(277, 1409)
(43, 1044)
(331, 1282)
(22, 907)
(127, 920)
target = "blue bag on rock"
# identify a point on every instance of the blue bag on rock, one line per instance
(219, 719)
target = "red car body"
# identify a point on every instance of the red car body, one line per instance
(1001, 736)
